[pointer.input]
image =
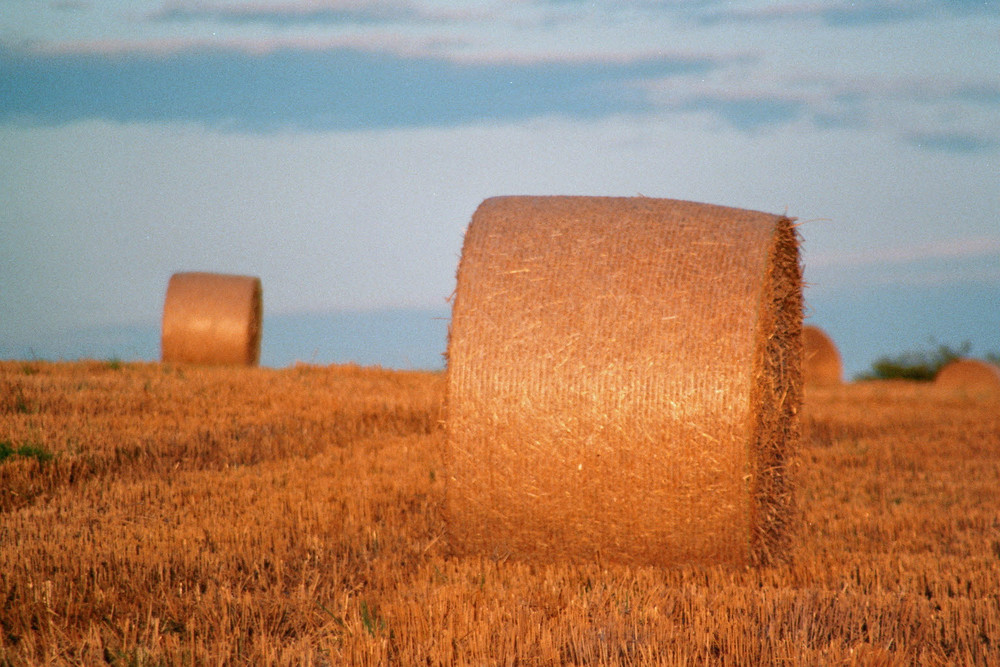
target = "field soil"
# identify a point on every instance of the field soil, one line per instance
(155, 514)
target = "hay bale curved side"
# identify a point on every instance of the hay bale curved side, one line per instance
(623, 381)
(212, 318)
(821, 364)
(969, 374)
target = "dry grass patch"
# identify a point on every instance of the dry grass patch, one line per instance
(99, 419)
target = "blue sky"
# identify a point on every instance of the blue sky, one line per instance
(337, 148)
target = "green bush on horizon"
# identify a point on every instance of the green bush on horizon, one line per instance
(919, 365)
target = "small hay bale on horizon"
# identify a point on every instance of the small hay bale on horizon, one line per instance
(623, 382)
(821, 363)
(212, 318)
(972, 374)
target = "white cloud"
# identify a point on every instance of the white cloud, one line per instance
(303, 12)
(958, 248)
(379, 42)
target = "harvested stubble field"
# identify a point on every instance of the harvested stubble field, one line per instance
(223, 515)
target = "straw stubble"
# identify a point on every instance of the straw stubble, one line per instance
(623, 381)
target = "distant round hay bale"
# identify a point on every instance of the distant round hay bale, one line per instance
(212, 318)
(623, 381)
(969, 374)
(821, 363)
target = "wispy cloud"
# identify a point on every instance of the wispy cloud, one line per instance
(69, 5)
(391, 43)
(983, 93)
(953, 115)
(947, 249)
(747, 112)
(953, 142)
(285, 14)
(849, 14)
(393, 79)
(949, 262)
(339, 88)
(329, 64)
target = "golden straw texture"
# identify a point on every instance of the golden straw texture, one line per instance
(212, 318)
(969, 374)
(821, 363)
(623, 381)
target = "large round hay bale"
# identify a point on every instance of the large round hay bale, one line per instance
(821, 363)
(212, 318)
(970, 374)
(623, 381)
